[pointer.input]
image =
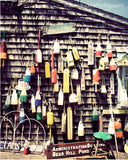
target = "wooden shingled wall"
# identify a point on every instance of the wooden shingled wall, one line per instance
(21, 26)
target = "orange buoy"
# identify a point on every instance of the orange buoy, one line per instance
(3, 49)
(118, 129)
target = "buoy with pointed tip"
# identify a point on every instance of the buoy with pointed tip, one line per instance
(60, 97)
(14, 99)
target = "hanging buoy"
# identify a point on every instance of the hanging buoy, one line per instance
(66, 79)
(8, 100)
(69, 123)
(75, 53)
(22, 115)
(38, 114)
(50, 115)
(101, 64)
(73, 97)
(118, 129)
(96, 76)
(38, 98)
(90, 53)
(63, 121)
(60, 97)
(106, 62)
(98, 48)
(53, 73)
(44, 106)
(38, 57)
(60, 63)
(78, 91)
(7, 103)
(56, 47)
(82, 76)
(33, 107)
(95, 115)
(56, 86)
(23, 95)
(74, 74)
(47, 70)
(80, 126)
(109, 50)
(3, 49)
(111, 128)
(32, 68)
(70, 59)
(103, 89)
(112, 66)
(27, 77)
(14, 99)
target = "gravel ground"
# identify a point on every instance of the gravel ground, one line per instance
(21, 155)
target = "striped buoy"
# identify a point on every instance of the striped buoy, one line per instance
(27, 77)
(38, 98)
(23, 95)
(112, 66)
(95, 115)
(98, 48)
(96, 76)
(38, 114)
(118, 129)
(32, 69)
(109, 50)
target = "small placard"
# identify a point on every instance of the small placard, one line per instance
(59, 29)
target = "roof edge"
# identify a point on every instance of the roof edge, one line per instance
(92, 10)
